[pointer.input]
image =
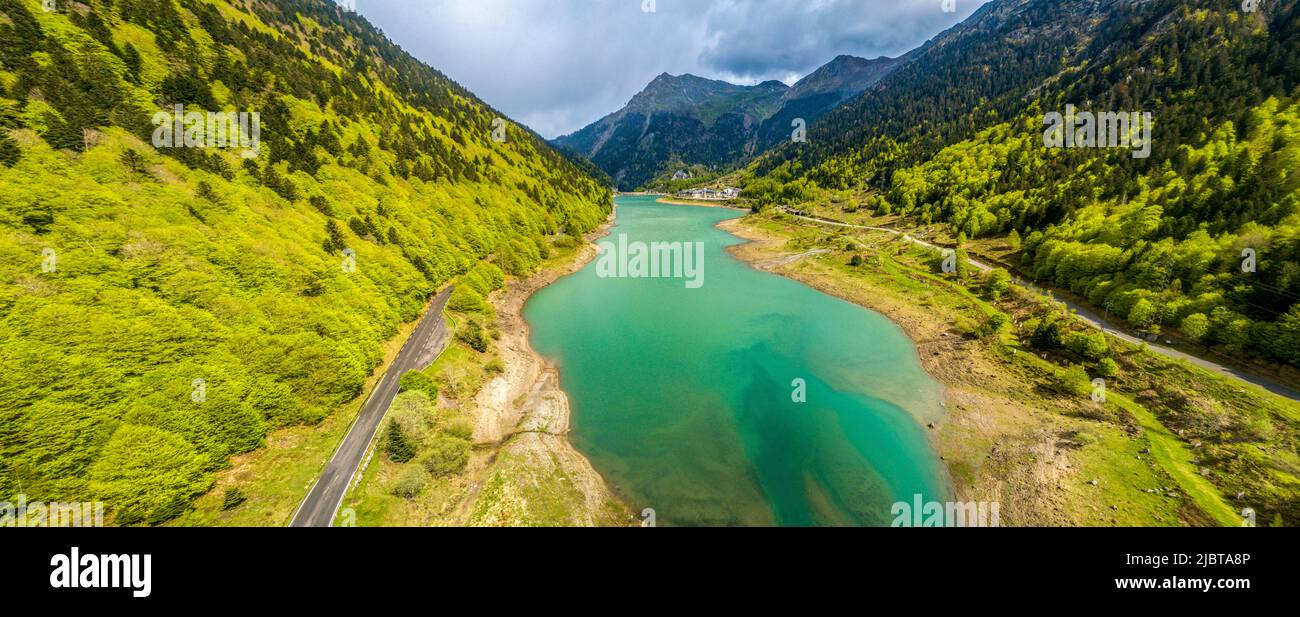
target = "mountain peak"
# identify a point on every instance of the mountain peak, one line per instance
(678, 92)
(845, 74)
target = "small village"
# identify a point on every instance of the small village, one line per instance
(707, 194)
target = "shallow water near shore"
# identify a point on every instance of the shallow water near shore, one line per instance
(684, 398)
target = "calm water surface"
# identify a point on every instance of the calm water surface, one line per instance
(682, 398)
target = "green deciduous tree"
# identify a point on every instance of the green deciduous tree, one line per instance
(1091, 345)
(1142, 314)
(471, 333)
(418, 382)
(1195, 326)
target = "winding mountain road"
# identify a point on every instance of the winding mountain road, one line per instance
(419, 351)
(1086, 314)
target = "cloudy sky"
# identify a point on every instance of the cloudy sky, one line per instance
(558, 65)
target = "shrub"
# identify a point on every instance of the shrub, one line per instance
(410, 482)
(965, 326)
(994, 324)
(234, 497)
(415, 381)
(446, 455)
(1074, 381)
(460, 428)
(415, 413)
(856, 261)
(997, 283)
(1107, 367)
(1085, 438)
(1092, 345)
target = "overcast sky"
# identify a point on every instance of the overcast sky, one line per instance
(558, 65)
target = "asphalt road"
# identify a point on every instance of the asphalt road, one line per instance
(1092, 318)
(420, 350)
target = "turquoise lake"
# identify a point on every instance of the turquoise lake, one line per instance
(684, 398)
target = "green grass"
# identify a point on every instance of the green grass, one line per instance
(550, 496)
(1173, 456)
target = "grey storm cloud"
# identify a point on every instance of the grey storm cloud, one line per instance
(558, 65)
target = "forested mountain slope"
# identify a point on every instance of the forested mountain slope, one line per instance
(1203, 235)
(821, 91)
(682, 117)
(162, 309)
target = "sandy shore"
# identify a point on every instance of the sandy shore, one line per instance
(525, 415)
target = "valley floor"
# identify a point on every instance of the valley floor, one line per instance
(1010, 435)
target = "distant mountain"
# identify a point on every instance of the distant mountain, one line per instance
(695, 119)
(822, 91)
(1150, 224)
(975, 74)
(690, 120)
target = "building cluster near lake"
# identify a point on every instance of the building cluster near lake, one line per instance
(710, 194)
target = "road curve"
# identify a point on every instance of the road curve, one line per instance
(419, 351)
(1089, 316)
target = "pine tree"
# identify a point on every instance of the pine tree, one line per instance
(131, 57)
(398, 446)
(9, 150)
(333, 238)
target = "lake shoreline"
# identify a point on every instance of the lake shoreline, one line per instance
(702, 204)
(527, 416)
(973, 420)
